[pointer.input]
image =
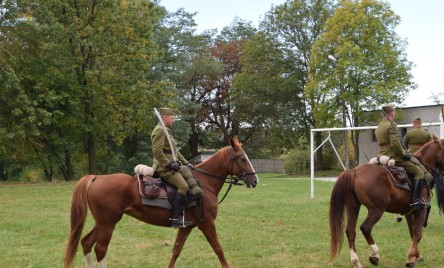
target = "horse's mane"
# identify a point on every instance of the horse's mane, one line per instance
(434, 139)
(216, 157)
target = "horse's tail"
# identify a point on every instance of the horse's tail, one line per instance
(439, 188)
(342, 189)
(79, 211)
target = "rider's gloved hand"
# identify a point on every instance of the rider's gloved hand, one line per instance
(174, 166)
(408, 156)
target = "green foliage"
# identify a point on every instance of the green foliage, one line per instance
(78, 80)
(297, 161)
(80, 73)
(371, 68)
(275, 68)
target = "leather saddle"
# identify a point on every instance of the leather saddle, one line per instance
(156, 192)
(400, 177)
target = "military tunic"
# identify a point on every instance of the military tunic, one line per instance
(416, 138)
(390, 145)
(163, 156)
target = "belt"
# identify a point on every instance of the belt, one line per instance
(167, 151)
(416, 144)
(384, 144)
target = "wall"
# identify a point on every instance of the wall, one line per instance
(368, 147)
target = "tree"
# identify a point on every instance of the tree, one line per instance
(217, 93)
(103, 50)
(28, 109)
(184, 64)
(202, 67)
(275, 71)
(79, 75)
(371, 69)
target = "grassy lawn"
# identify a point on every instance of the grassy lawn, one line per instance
(274, 225)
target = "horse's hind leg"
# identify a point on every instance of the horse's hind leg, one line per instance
(352, 218)
(88, 242)
(105, 233)
(415, 223)
(100, 236)
(373, 216)
(181, 238)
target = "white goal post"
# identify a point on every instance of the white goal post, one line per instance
(328, 130)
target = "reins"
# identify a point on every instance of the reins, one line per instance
(230, 179)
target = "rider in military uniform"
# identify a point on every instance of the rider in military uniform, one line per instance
(389, 142)
(417, 137)
(177, 173)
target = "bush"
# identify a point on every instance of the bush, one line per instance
(30, 174)
(297, 161)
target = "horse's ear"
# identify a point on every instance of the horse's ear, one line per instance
(234, 128)
(234, 142)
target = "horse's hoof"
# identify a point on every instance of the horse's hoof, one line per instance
(410, 264)
(399, 219)
(373, 260)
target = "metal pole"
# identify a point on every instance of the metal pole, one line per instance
(312, 164)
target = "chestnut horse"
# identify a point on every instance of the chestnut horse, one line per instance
(110, 196)
(372, 186)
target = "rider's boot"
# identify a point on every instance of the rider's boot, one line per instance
(417, 202)
(177, 216)
(195, 190)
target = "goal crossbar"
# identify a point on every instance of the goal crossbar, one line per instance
(313, 150)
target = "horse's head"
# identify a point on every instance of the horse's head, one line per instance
(439, 161)
(431, 154)
(240, 164)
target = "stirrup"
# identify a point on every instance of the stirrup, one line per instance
(418, 204)
(180, 223)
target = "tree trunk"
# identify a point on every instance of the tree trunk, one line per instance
(356, 147)
(68, 166)
(91, 148)
(3, 176)
(193, 140)
(319, 156)
(49, 172)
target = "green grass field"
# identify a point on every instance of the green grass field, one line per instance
(274, 225)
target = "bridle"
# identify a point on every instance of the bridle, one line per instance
(434, 170)
(231, 179)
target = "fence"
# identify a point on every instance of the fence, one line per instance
(260, 165)
(268, 165)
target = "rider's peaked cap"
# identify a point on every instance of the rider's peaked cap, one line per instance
(166, 111)
(388, 108)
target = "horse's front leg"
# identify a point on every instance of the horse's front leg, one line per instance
(415, 222)
(181, 238)
(209, 230)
